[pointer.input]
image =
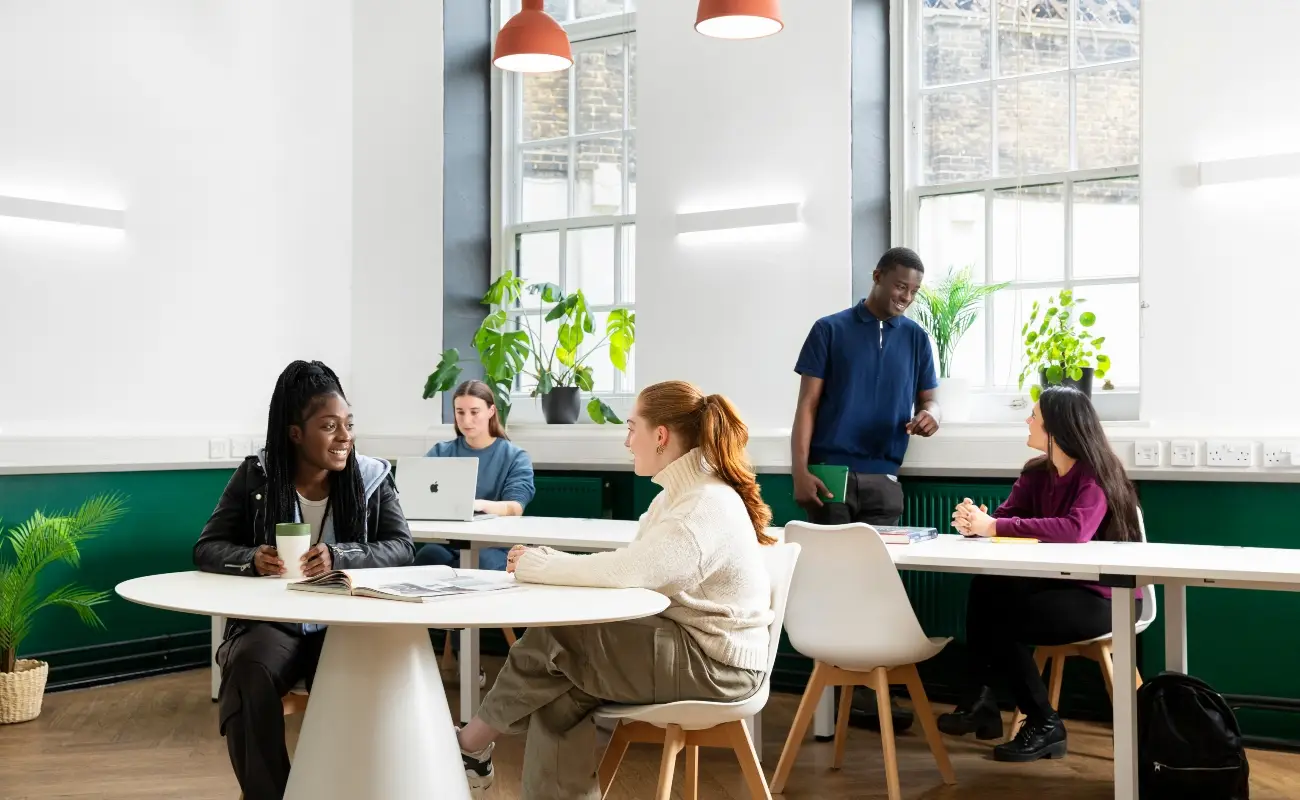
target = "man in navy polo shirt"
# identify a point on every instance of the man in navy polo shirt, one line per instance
(867, 385)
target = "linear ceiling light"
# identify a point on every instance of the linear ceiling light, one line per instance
(27, 208)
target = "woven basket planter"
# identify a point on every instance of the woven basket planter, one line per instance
(21, 692)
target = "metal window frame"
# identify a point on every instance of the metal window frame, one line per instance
(909, 92)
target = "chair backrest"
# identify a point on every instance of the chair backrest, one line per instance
(847, 601)
(780, 560)
(1148, 614)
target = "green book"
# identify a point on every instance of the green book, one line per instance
(835, 478)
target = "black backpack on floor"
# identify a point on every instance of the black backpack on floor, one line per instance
(1189, 744)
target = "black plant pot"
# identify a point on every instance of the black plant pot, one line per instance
(1084, 384)
(563, 404)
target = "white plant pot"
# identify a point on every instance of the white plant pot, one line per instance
(955, 400)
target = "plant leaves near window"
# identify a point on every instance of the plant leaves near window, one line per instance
(947, 311)
(1058, 350)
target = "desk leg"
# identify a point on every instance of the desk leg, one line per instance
(218, 631)
(1125, 644)
(469, 653)
(379, 693)
(824, 719)
(1176, 627)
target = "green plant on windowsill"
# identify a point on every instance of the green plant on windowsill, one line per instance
(1058, 352)
(40, 542)
(509, 353)
(948, 310)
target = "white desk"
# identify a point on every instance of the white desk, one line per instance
(378, 684)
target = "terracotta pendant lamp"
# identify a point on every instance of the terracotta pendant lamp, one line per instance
(739, 19)
(532, 42)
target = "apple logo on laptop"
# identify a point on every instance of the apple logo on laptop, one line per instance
(433, 487)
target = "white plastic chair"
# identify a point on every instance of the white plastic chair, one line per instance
(1098, 650)
(849, 612)
(692, 724)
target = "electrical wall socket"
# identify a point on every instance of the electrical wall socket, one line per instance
(240, 447)
(1146, 453)
(219, 449)
(1225, 453)
(1281, 454)
(1182, 453)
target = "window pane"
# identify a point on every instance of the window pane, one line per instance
(955, 140)
(1034, 126)
(1033, 36)
(951, 233)
(1107, 30)
(545, 101)
(631, 173)
(1106, 228)
(596, 8)
(601, 367)
(954, 41)
(544, 187)
(1029, 233)
(1106, 114)
(600, 176)
(556, 8)
(589, 264)
(628, 278)
(631, 80)
(1117, 310)
(599, 67)
(539, 258)
(627, 383)
(1010, 313)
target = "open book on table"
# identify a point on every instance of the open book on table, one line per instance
(412, 584)
(895, 534)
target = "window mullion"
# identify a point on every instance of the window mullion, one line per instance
(1069, 231)
(989, 328)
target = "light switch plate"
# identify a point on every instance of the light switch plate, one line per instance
(1182, 453)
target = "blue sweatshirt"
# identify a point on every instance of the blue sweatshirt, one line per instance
(505, 472)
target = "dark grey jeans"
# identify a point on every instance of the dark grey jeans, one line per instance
(873, 499)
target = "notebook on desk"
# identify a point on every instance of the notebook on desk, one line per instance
(895, 534)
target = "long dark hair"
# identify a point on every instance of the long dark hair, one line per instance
(480, 390)
(300, 390)
(1072, 424)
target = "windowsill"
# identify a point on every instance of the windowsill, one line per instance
(527, 410)
(989, 407)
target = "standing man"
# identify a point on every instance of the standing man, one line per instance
(867, 384)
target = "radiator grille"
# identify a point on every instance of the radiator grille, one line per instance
(568, 496)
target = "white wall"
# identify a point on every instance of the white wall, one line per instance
(1220, 264)
(396, 300)
(728, 124)
(223, 128)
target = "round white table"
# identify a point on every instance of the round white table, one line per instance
(378, 723)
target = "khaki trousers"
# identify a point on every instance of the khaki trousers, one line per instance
(555, 677)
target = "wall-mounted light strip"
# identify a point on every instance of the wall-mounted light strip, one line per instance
(26, 208)
(1233, 170)
(729, 218)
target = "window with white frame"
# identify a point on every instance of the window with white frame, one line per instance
(1022, 163)
(569, 199)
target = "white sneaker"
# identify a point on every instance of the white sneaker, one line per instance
(478, 768)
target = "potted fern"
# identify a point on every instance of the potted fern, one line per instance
(555, 366)
(40, 542)
(946, 312)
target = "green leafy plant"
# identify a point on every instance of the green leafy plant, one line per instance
(509, 353)
(40, 542)
(1056, 348)
(948, 310)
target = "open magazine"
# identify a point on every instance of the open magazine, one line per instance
(412, 584)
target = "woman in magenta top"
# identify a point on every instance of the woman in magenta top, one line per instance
(1076, 492)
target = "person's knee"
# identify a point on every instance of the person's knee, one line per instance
(494, 558)
(435, 555)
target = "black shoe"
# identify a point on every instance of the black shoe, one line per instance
(864, 713)
(478, 767)
(1035, 740)
(979, 716)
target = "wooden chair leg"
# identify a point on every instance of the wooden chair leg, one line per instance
(1104, 657)
(1057, 680)
(880, 682)
(674, 740)
(921, 705)
(509, 633)
(802, 718)
(743, 746)
(691, 782)
(1040, 660)
(842, 725)
(609, 763)
(1137, 679)
(448, 657)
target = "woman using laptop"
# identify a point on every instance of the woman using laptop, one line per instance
(1077, 491)
(698, 544)
(505, 472)
(309, 472)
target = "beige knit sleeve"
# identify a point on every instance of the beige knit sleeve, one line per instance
(665, 558)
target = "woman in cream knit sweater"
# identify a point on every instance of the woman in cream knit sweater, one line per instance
(698, 544)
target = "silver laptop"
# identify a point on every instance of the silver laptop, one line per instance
(438, 488)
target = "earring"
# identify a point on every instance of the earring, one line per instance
(660, 449)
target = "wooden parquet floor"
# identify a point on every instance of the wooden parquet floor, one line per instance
(157, 738)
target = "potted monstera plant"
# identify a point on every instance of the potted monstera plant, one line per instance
(40, 542)
(1059, 347)
(554, 364)
(947, 312)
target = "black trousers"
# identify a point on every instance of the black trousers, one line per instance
(1007, 616)
(873, 499)
(258, 667)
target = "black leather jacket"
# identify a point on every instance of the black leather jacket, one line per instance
(238, 526)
